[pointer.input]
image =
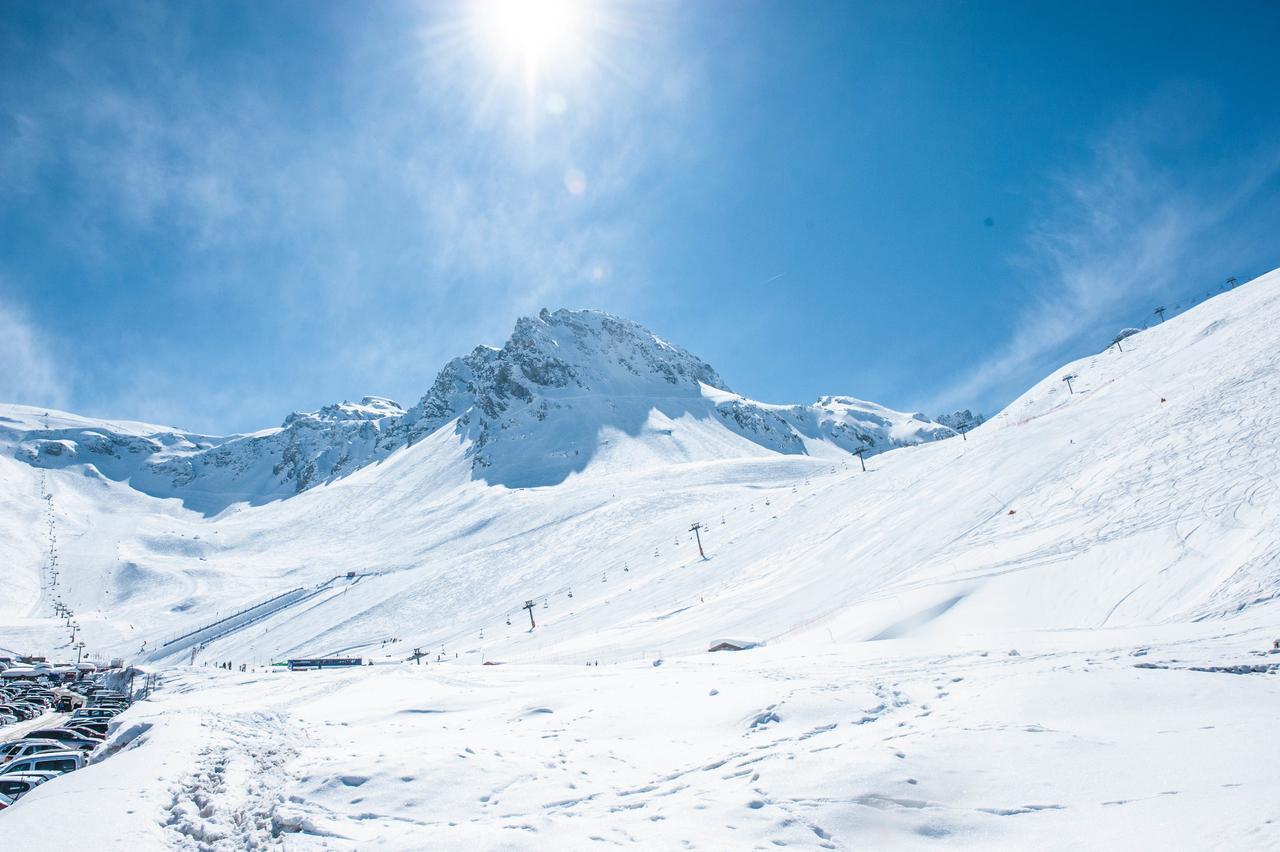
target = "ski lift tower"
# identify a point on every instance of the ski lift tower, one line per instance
(694, 529)
(1067, 378)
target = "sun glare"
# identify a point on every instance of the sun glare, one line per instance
(536, 34)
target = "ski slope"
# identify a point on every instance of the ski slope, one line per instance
(1020, 639)
(1106, 507)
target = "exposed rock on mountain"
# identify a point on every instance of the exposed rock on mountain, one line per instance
(566, 389)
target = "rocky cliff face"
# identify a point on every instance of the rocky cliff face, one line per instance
(555, 367)
(529, 413)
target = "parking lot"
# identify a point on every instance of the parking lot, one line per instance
(19, 730)
(49, 726)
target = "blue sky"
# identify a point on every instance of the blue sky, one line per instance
(216, 213)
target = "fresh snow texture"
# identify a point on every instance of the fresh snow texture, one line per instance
(895, 744)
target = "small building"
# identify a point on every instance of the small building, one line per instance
(734, 644)
(309, 664)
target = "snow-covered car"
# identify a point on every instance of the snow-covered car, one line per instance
(56, 762)
(5, 801)
(27, 747)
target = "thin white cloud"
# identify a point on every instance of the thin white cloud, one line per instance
(1118, 235)
(31, 373)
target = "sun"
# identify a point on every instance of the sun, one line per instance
(536, 35)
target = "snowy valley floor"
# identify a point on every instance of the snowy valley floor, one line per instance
(902, 743)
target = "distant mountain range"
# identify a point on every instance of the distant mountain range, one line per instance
(566, 387)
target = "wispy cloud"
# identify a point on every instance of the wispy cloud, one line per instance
(1119, 235)
(32, 374)
(227, 208)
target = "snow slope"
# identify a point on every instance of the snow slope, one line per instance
(893, 744)
(1135, 521)
(1126, 510)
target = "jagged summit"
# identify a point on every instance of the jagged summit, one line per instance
(562, 355)
(368, 408)
(569, 388)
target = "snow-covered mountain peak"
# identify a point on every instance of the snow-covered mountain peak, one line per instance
(568, 389)
(593, 350)
(561, 355)
(368, 408)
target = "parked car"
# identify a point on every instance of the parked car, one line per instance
(41, 695)
(94, 713)
(68, 737)
(118, 706)
(27, 747)
(68, 701)
(97, 727)
(5, 801)
(83, 736)
(57, 762)
(17, 784)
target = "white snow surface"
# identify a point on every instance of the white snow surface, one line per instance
(1134, 522)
